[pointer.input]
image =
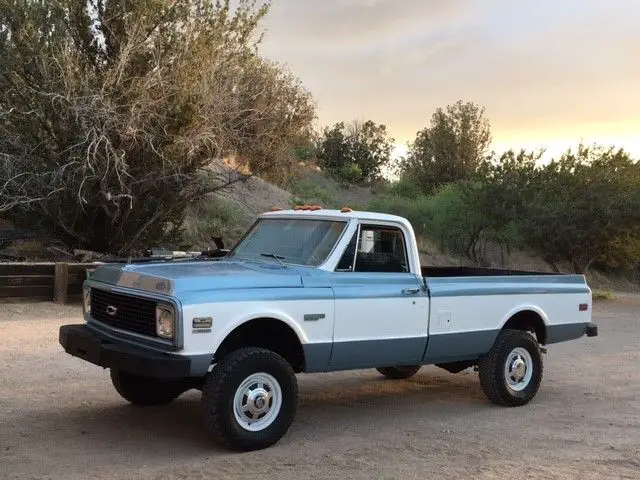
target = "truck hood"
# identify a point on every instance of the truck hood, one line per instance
(171, 278)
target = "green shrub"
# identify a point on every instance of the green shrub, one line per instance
(349, 174)
(449, 217)
(405, 188)
(211, 217)
(308, 192)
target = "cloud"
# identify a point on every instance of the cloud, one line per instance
(535, 66)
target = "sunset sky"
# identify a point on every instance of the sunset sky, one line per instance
(549, 72)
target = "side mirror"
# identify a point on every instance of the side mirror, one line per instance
(219, 252)
(219, 243)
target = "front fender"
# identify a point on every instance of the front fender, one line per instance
(257, 314)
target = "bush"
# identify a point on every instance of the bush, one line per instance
(214, 216)
(307, 192)
(349, 174)
(582, 209)
(449, 217)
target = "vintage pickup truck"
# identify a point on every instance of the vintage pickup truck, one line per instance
(313, 290)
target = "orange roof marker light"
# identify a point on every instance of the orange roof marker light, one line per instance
(276, 209)
(345, 210)
(306, 207)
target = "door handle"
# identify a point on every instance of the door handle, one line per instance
(410, 291)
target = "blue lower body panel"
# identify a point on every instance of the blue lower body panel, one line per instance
(441, 348)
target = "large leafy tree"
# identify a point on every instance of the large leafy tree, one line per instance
(503, 189)
(450, 148)
(112, 112)
(584, 209)
(357, 151)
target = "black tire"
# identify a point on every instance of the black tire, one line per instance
(146, 391)
(218, 398)
(399, 372)
(493, 377)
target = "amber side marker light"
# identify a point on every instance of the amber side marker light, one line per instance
(308, 207)
(583, 307)
(345, 210)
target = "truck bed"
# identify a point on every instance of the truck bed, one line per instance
(455, 271)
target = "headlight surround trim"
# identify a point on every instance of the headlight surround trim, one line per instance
(86, 300)
(165, 321)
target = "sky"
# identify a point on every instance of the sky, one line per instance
(550, 73)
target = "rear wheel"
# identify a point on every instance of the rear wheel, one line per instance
(399, 372)
(510, 374)
(146, 391)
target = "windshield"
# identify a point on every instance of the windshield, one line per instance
(289, 240)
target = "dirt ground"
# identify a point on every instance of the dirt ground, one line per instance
(60, 417)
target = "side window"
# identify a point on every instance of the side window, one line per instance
(379, 249)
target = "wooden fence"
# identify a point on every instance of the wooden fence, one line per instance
(58, 282)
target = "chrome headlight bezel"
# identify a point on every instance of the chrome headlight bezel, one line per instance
(165, 321)
(86, 300)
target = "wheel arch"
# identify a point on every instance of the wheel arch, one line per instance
(266, 331)
(528, 318)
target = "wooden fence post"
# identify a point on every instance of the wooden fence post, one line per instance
(61, 283)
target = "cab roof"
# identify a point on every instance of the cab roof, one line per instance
(336, 215)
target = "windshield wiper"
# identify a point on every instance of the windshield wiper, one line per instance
(277, 257)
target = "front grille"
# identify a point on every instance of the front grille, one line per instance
(133, 314)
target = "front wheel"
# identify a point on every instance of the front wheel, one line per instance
(510, 374)
(249, 399)
(399, 372)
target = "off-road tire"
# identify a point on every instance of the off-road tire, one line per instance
(146, 391)
(219, 390)
(491, 369)
(400, 372)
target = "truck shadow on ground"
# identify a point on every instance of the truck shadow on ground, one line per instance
(326, 402)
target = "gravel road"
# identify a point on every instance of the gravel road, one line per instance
(61, 418)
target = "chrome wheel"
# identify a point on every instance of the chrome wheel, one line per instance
(518, 369)
(257, 402)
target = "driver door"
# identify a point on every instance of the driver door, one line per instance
(381, 308)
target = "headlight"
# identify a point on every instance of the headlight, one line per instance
(165, 321)
(86, 300)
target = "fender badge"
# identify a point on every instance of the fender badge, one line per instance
(202, 322)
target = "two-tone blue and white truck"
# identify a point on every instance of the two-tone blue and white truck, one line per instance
(310, 291)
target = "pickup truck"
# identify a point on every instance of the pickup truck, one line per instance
(312, 290)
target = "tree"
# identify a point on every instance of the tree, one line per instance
(112, 113)
(355, 152)
(503, 188)
(450, 148)
(585, 209)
